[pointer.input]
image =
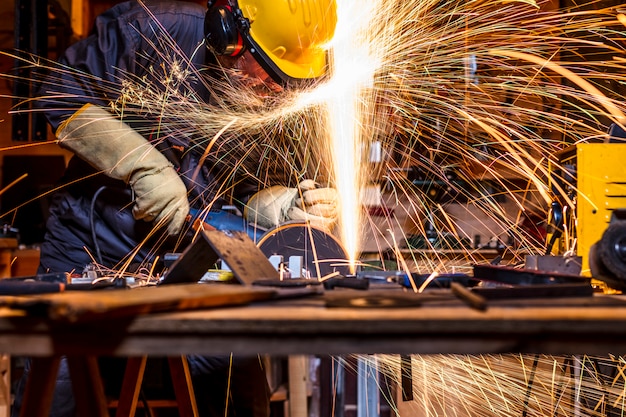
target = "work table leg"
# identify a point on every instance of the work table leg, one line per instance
(131, 386)
(183, 388)
(39, 390)
(87, 386)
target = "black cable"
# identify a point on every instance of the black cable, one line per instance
(93, 226)
(557, 224)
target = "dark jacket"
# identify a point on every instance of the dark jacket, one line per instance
(91, 217)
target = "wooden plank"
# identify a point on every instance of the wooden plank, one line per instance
(106, 304)
(151, 404)
(8, 243)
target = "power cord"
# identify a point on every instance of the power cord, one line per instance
(92, 224)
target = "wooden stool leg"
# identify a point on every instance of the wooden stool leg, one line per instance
(87, 386)
(183, 388)
(40, 387)
(5, 385)
(131, 386)
(298, 380)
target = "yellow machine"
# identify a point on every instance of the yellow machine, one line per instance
(596, 174)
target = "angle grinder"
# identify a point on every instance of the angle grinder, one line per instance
(301, 250)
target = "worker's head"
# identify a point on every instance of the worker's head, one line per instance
(285, 37)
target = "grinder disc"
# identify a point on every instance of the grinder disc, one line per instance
(322, 252)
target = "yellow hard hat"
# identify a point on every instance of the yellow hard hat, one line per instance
(292, 33)
(287, 37)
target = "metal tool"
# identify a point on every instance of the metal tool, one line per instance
(522, 276)
(322, 253)
(51, 283)
(227, 218)
(607, 257)
(341, 281)
(469, 297)
(247, 263)
(30, 287)
(527, 283)
(409, 280)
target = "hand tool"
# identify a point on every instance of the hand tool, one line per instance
(521, 276)
(470, 298)
(321, 252)
(346, 282)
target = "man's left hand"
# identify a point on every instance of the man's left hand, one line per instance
(315, 205)
(275, 205)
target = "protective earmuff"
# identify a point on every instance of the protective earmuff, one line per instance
(227, 32)
(222, 29)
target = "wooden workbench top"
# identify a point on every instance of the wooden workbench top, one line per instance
(437, 324)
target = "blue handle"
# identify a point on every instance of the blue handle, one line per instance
(226, 220)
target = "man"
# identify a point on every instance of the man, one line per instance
(129, 190)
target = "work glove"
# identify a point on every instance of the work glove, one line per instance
(110, 145)
(278, 204)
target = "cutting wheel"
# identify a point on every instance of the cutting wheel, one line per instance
(322, 253)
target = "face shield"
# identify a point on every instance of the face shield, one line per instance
(288, 42)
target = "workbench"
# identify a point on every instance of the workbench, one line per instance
(593, 325)
(305, 325)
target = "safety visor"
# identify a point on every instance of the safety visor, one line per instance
(272, 69)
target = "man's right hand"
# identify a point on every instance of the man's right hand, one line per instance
(113, 147)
